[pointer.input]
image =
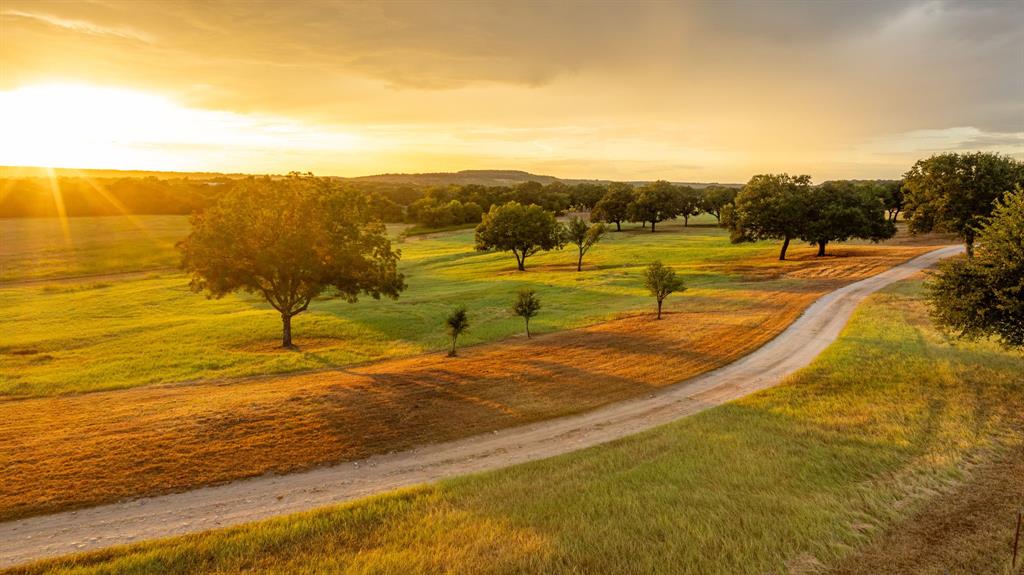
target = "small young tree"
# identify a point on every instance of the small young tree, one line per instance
(613, 208)
(661, 280)
(770, 206)
(527, 305)
(956, 192)
(457, 322)
(289, 241)
(984, 296)
(583, 236)
(522, 230)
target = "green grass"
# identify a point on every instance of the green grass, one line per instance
(795, 477)
(113, 333)
(37, 248)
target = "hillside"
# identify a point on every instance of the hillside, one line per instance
(460, 178)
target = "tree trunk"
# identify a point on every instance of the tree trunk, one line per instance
(653, 223)
(686, 221)
(520, 261)
(579, 262)
(452, 352)
(969, 244)
(821, 248)
(527, 327)
(286, 338)
(618, 226)
(659, 309)
(785, 246)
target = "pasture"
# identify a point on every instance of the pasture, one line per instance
(193, 427)
(120, 331)
(829, 471)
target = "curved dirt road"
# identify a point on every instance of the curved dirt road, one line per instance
(262, 497)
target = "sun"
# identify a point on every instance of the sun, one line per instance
(81, 125)
(88, 126)
(78, 125)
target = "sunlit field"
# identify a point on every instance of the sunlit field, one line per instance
(112, 332)
(196, 428)
(792, 479)
(41, 248)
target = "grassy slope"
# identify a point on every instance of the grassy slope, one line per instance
(109, 334)
(790, 479)
(37, 248)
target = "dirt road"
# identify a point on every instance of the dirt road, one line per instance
(263, 497)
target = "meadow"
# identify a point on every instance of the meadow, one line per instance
(38, 249)
(118, 331)
(188, 427)
(835, 470)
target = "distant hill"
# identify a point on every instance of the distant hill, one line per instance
(460, 178)
(489, 178)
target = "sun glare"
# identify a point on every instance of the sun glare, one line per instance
(73, 125)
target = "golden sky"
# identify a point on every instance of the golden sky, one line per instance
(687, 91)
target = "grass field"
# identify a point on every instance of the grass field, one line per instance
(800, 478)
(73, 450)
(110, 333)
(39, 249)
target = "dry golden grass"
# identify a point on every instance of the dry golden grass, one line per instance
(957, 531)
(74, 451)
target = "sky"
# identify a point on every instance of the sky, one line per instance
(685, 91)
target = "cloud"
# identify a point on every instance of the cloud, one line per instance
(696, 86)
(80, 26)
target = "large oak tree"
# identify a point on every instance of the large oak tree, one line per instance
(522, 230)
(840, 210)
(956, 192)
(290, 241)
(770, 206)
(614, 206)
(654, 202)
(715, 198)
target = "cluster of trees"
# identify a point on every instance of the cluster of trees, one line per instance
(784, 207)
(149, 195)
(613, 203)
(659, 201)
(957, 192)
(434, 213)
(79, 196)
(983, 295)
(979, 197)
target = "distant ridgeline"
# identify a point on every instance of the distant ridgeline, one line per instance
(34, 192)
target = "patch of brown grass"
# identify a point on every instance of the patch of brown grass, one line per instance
(842, 262)
(73, 451)
(968, 529)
